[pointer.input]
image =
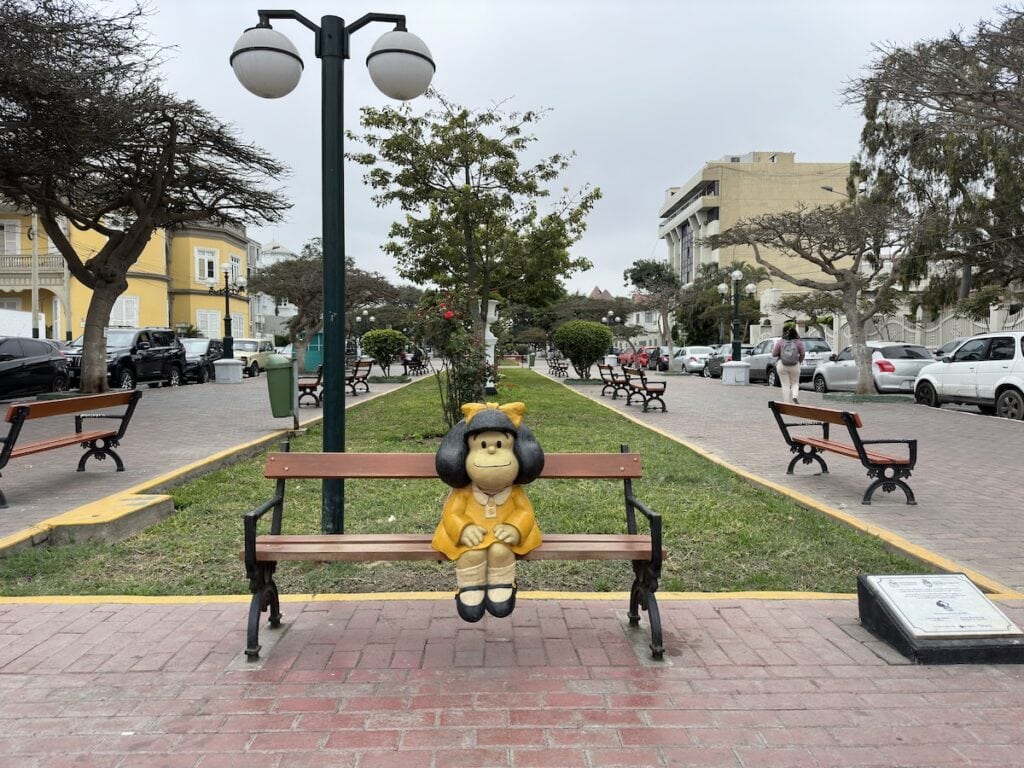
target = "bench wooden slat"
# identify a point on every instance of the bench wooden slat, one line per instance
(421, 465)
(848, 450)
(38, 409)
(60, 442)
(829, 415)
(368, 548)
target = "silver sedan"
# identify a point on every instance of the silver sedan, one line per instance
(894, 367)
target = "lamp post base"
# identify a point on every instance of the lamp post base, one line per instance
(735, 373)
(229, 371)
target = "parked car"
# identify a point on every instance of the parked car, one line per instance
(986, 370)
(690, 359)
(134, 355)
(657, 360)
(200, 354)
(638, 359)
(894, 368)
(762, 364)
(253, 353)
(31, 366)
(721, 355)
(947, 349)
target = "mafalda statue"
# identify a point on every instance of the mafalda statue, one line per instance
(487, 519)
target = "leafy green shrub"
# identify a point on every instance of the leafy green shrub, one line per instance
(584, 343)
(385, 347)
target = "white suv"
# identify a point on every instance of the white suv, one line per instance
(985, 370)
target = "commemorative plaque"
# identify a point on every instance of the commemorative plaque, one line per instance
(940, 618)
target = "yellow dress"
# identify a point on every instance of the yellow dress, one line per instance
(470, 506)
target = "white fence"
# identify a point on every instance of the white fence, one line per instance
(923, 331)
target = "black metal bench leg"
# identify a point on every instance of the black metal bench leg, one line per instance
(641, 596)
(100, 452)
(888, 483)
(806, 456)
(264, 596)
(3, 501)
(652, 398)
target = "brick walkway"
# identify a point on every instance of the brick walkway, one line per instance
(405, 683)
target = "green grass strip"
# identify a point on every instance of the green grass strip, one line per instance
(722, 533)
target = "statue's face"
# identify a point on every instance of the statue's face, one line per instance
(491, 464)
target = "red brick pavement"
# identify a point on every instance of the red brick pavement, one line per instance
(561, 683)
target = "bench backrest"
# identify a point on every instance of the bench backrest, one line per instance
(400, 466)
(37, 409)
(827, 415)
(362, 369)
(635, 373)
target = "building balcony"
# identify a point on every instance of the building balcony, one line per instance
(16, 271)
(681, 214)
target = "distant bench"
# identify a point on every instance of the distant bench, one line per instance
(889, 471)
(558, 366)
(638, 385)
(358, 375)
(97, 442)
(263, 552)
(309, 386)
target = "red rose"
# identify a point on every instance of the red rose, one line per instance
(449, 315)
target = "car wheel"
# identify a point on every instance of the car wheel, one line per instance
(174, 377)
(925, 394)
(204, 375)
(705, 371)
(125, 379)
(60, 383)
(820, 385)
(772, 378)
(1010, 404)
(254, 370)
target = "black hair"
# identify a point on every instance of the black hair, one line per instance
(450, 460)
(791, 333)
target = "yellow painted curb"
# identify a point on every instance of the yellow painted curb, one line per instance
(894, 540)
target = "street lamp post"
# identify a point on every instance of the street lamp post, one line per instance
(268, 64)
(231, 288)
(723, 289)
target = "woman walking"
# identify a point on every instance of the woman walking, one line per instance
(789, 353)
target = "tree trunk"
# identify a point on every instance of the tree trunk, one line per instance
(94, 344)
(858, 340)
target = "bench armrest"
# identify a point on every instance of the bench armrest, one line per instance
(250, 520)
(654, 522)
(910, 443)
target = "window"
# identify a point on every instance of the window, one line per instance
(236, 268)
(1001, 349)
(206, 264)
(686, 253)
(10, 303)
(238, 325)
(648, 317)
(10, 244)
(846, 354)
(970, 351)
(208, 323)
(125, 313)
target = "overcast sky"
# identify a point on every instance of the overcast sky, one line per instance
(645, 92)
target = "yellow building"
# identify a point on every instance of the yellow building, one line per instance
(169, 286)
(737, 187)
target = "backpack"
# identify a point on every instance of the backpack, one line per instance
(789, 354)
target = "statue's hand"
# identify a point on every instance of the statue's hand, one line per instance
(506, 534)
(473, 535)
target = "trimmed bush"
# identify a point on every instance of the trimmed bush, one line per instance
(584, 343)
(385, 347)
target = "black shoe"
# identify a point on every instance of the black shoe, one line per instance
(505, 607)
(470, 613)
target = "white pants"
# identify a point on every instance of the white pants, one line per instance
(789, 378)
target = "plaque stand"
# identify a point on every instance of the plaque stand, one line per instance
(938, 619)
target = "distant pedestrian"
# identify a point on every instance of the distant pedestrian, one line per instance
(789, 353)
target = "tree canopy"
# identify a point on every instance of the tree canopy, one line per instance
(473, 216)
(90, 136)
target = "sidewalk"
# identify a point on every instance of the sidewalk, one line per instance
(397, 680)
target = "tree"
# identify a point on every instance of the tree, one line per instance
(944, 138)
(584, 343)
(704, 315)
(90, 137)
(299, 281)
(661, 290)
(857, 250)
(812, 306)
(472, 209)
(385, 346)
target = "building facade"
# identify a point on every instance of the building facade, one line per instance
(269, 317)
(736, 187)
(168, 286)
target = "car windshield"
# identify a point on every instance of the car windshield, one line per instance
(906, 352)
(816, 345)
(246, 346)
(195, 346)
(119, 338)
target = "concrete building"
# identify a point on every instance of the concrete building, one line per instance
(268, 317)
(736, 187)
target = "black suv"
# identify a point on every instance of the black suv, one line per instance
(200, 354)
(134, 355)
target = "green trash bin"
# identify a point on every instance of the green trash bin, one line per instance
(280, 385)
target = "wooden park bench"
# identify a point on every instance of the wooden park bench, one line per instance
(263, 552)
(638, 385)
(309, 386)
(96, 442)
(558, 366)
(357, 376)
(889, 472)
(613, 381)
